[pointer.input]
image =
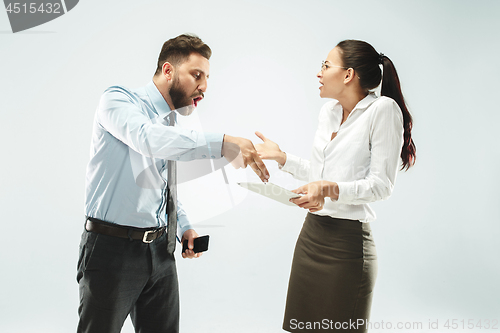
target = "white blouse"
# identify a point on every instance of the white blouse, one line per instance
(363, 158)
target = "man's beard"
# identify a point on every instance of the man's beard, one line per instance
(178, 96)
(182, 103)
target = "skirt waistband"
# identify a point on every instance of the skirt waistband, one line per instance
(338, 222)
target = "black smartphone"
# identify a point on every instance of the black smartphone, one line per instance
(200, 244)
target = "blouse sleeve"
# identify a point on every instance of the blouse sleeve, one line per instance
(386, 141)
(297, 167)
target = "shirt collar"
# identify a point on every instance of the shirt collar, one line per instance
(362, 104)
(157, 100)
(366, 102)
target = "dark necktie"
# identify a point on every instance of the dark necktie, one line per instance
(171, 198)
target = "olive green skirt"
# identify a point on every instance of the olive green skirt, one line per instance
(332, 277)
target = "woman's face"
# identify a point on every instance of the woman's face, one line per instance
(332, 74)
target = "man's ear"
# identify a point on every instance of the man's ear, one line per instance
(167, 70)
(349, 75)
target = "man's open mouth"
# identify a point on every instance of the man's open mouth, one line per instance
(196, 100)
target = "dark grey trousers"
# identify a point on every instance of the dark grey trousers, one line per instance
(118, 277)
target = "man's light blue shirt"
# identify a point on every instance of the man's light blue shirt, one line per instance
(131, 143)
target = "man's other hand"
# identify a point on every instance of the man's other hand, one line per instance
(190, 235)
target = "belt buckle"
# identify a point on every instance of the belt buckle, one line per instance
(145, 238)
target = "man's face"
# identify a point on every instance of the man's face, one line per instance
(190, 82)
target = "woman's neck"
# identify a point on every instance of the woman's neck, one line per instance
(350, 101)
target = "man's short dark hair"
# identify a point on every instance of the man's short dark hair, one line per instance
(177, 50)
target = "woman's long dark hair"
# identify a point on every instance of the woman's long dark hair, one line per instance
(363, 58)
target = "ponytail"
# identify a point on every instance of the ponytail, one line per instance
(363, 58)
(391, 87)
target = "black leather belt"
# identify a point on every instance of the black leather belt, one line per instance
(106, 228)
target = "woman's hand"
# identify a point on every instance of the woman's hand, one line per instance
(315, 194)
(269, 150)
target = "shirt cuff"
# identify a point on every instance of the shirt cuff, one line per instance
(347, 192)
(182, 226)
(292, 164)
(214, 141)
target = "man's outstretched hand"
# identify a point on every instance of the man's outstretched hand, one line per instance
(241, 152)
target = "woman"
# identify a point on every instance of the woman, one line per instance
(360, 142)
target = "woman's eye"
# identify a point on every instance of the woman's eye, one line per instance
(196, 76)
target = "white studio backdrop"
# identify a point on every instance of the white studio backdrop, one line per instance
(436, 236)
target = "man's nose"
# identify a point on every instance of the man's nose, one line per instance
(203, 86)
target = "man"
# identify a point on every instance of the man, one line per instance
(124, 266)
